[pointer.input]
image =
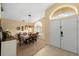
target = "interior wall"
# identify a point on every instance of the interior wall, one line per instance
(11, 25)
(44, 28)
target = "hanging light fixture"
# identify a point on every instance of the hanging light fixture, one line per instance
(29, 17)
(27, 26)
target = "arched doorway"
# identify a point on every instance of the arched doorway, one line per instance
(38, 28)
(63, 28)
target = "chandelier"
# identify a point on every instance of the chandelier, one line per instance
(28, 26)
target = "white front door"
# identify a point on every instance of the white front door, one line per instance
(69, 39)
(78, 34)
(54, 32)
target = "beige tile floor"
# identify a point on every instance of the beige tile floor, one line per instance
(53, 51)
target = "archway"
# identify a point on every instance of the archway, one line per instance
(38, 28)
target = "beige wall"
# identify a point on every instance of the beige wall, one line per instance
(11, 25)
(44, 25)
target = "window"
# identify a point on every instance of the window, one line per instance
(65, 14)
(38, 27)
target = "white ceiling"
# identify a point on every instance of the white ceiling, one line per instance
(20, 11)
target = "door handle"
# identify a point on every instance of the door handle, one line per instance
(61, 33)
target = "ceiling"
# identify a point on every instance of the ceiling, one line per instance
(20, 11)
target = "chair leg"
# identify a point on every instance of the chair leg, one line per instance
(35, 39)
(29, 42)
(26, 41)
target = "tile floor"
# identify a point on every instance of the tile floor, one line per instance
(53, 51)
